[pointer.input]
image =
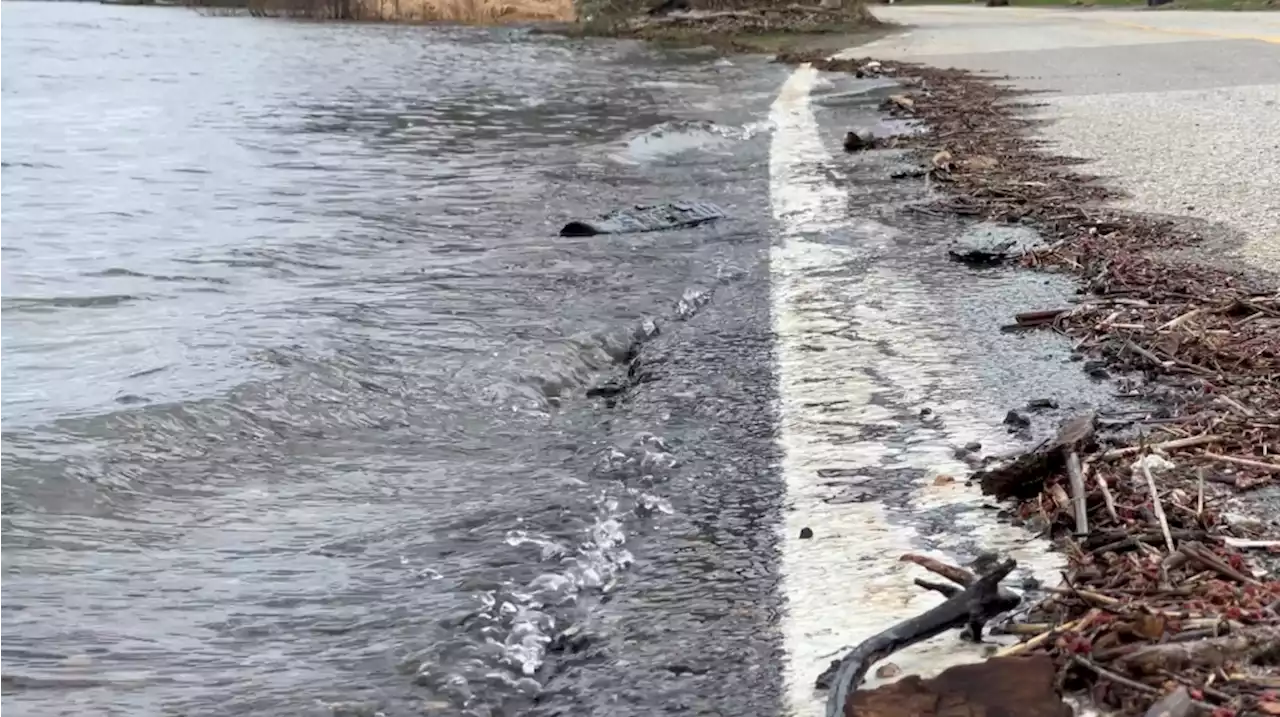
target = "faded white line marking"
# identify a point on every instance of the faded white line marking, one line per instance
(846, 583)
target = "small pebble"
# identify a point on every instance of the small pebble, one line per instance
(806, 533)
(1039, 403)
(888, 670)
(973, 447)
(943, 479)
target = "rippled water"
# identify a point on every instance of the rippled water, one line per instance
(295, 366)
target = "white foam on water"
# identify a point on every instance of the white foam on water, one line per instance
(846, 583)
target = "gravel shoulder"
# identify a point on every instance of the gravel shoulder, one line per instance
(1179, 111)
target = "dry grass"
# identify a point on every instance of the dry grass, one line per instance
(478, 12)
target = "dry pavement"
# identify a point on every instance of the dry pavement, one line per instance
(1180, 109)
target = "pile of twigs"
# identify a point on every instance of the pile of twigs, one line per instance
(1160, 593)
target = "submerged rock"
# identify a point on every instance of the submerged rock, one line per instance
(1016, 420)
(991, 244)
(858, 140)
(646, 218)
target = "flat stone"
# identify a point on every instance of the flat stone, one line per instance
(999, 687)
(993, 244)
(646, 218)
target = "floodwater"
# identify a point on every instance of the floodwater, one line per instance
(295, 366)
(309, 411)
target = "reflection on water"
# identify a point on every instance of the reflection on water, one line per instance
(293, 361)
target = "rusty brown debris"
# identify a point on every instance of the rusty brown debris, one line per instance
(1160, 594)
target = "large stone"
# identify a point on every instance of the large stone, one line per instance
(993, 244)
(999, 687)
(646, 218)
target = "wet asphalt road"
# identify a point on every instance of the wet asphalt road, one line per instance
(306, 428)
(1144, 95)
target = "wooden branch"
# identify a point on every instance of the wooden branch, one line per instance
(1024, 476)
(1269, 467)
(1210, 653)
(1159, 508)
(971, 607)
(945, 589)
(1199, 553)
(1167, 445)
(1076, 475)
(960, 576)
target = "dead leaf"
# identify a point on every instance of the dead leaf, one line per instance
(1060, 497)
(1149, 626)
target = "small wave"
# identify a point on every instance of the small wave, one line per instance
(537, 378)
(53, 303)
(677, 137)
(116, 272)
(513, 628)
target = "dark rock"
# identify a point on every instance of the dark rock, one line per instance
(1037, 404)
(991, 244)
(669, 6)
(1013, 419)
(858, 140)
(997, 3)
(907, 171)
(1097, 369)
(806, 533)
(606, 390)
(646, 218)
(1024, 476)
(973, 447)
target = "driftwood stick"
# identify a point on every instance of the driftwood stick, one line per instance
(1199, 553)
(1107, 498)
(1113, 677)
(1040, 639)
(960, 576)
(1262, 465)
(1209, 653)
(1159, 508)
(1167, 445)
(1076, 474)
(1200, 493)
(945, 589)
(972, 607)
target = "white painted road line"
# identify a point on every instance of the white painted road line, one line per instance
(846, 584)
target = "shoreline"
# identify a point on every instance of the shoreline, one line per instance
(802, 29)
(1145, 315)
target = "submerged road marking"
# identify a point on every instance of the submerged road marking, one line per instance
(846, 583)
